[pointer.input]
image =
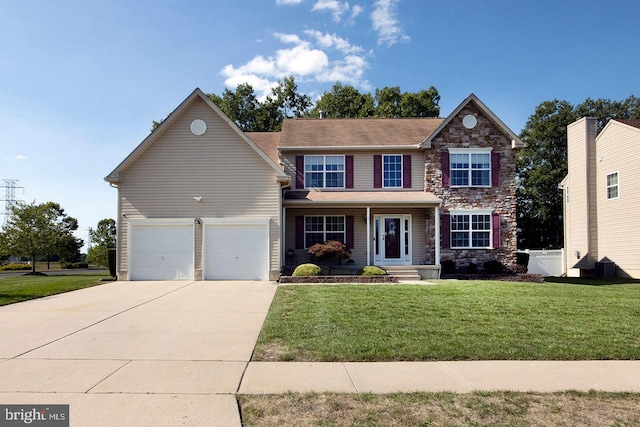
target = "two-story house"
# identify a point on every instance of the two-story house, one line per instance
(200, 199)
(601, 192)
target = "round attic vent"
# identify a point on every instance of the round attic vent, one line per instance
(469, 121)
(198, 127)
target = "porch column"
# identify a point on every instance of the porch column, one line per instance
(368, 219)
(437, 245)
(282, 237)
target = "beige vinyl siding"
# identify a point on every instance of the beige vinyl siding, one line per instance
(359, 251)
(581, 183)
(362, 167)
(232, 179)
(618, 220)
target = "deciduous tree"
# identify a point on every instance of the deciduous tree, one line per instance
(103, 238)
(40, 230)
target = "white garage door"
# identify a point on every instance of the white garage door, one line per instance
(161, 252)
(236, 252)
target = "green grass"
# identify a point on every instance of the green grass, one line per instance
(22, 288)
(452, 320)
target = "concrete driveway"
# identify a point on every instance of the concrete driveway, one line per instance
(134, 353)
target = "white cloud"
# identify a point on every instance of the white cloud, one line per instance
(21, 157)
(315, 56)
(288, 2)
(326, 41)
(350, 70)
(337, 8)
(356, 10)
(386, 24)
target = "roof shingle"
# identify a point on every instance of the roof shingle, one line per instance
(356, 132)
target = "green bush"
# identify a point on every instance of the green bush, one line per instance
(73, 265)
(371, 270)
(307, 270)
(493, 267)
(15, 266)
(448, 267)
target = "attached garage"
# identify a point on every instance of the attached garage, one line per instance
(236, 249)
(161, 250)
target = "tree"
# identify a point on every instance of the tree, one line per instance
(102, 238)
(344, 101)
(542, 164)
(391, 102)
(40, 230)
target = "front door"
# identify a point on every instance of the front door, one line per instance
(393, 239)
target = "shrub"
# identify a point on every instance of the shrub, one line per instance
(73, 265)
(522, 262)
(472, 268)
(307, 270)
(493, 267)
(371, 270)
(331, 249)
(15, 267)
(448, 267)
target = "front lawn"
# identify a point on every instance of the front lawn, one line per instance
(452, 320)
(22, 288)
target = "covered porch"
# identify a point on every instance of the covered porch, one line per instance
(395, 230)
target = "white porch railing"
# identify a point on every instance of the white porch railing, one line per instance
(546, 262)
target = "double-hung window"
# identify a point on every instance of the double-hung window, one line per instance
(612, 185)
(470, 168)
(392, 171)
(324, 171)
(319, 229)
(471, 229)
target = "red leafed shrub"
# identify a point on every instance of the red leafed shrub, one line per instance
(330, 250)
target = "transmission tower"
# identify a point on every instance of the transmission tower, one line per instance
(10, 196)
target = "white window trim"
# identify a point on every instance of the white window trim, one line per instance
(401, 170)
(324, 171)
(472, 212)
(324, 231)
(607, 186)
(470, 151)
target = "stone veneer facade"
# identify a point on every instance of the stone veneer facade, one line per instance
(501, 199)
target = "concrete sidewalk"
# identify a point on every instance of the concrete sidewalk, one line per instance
(461, 377)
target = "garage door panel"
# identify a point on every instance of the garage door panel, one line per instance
(237, 251)
(161, 252)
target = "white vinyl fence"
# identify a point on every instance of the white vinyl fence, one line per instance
(547, 262)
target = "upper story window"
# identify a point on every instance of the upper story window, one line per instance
(612, 185)
(392, 171)
(324, 171)
(470, 168)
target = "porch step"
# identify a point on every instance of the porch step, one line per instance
(402, 272)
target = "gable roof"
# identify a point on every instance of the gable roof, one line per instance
(516, 142)
(114, 176)
(630, 125)
(267, 142)
(359, 133)
(631, 122)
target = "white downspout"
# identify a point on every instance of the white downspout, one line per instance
(437, 246)
(368, 219)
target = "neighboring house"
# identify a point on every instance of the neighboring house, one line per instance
(200, 199)
(601, 193)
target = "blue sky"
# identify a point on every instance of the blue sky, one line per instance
(81, 81)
